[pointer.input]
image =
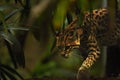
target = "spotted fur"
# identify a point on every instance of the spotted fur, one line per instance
(94, 32)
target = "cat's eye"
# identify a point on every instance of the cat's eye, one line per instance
(67, 47)
(71, 33)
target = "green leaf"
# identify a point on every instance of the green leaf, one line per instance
(13, 13)
(5, 18)
(11, 70)
(18, 28)
(8, 74)
(2, 76)
(2, 18)
(15, 49)
(6, 37)
(83, 5)
(60, 13)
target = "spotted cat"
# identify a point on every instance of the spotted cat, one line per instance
(94, 32)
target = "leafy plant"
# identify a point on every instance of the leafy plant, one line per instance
(6, 72)
(14, 47)
(43, 19)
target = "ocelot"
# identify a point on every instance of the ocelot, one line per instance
(95, 31)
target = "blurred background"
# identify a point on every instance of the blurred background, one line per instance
(33, 24)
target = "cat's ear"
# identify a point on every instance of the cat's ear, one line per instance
(73, 24)
(57, 33)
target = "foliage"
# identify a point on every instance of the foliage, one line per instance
(25, 22)
(7, 72)
(14, 47)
